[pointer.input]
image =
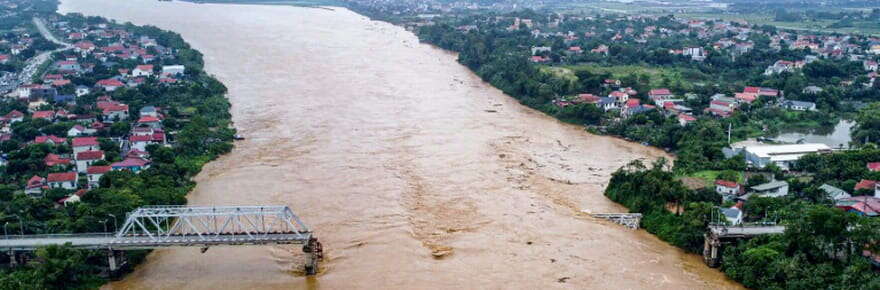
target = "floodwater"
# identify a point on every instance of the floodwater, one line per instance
(838, 136)
(394, 153)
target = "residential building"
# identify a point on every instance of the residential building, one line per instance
(83, 144)
(834, 193)
(783, 156)
(35, 186)
(799, 105)
(66, 180)
(87, 158)
(94, 174)
(771, 189)
(728, 188)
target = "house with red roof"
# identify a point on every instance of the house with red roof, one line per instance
(87, 158)
(660, 96)
(150, 121)
(109, 84)
(721, 108)
(143, 70)
(35, 186)
(861, 205)
(728, 189)
(82, 144)
(874, 166)
(132, 164)
(747, 98)
(14, 116)
(866, 184)
(84, 47)
(50, 139)
(140, 142)
(48, 115)
(4, 58)
(114, 111)
(94, 173)
(66, 180)
(73, 198)
(588, 99)
(54, 159)
(684, 119)
(619, 96)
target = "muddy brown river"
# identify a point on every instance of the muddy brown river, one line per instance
(395, 154)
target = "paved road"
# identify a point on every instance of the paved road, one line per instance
(41, 26)
(33, 64)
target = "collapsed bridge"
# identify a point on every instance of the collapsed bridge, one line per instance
(185, 226)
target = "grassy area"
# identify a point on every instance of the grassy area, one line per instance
(807, 24)
(700, 10)
(709, 176)
(656, 74)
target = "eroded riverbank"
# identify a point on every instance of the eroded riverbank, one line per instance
(393, 152)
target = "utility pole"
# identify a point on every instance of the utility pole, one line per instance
(729, 128)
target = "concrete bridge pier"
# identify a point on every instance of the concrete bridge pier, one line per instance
(115, 261)
(314, 253)
(711, 251)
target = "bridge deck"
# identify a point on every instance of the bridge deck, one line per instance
(110, 241)
(744, 231)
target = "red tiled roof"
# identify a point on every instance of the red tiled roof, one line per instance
(726, 183)
(746, 97)
(140, 138)
(148, 119)
(589, 98)
(131, 162)
(866, 184)
(867, 205)
(90, 155)
(110, 83)
(144, 67)
(35, 181)
(874, 166)
(107, 109)
(15, 114)
(633, 103)
(44, 139)
(752, 90)
(85, 141)
(44, 114)
(53, 159)
(661, 92)
(98, 169)
(62, 177)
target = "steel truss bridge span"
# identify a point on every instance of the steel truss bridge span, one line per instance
(187, 226)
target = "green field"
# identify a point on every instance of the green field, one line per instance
(709, 176)
(655, 74)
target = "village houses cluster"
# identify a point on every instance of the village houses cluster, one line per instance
(54, 97)
(624, 99)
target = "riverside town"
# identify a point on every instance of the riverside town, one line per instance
(440, 144)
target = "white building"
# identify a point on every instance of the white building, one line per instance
(783, 156)
(770, 189)
(173, 70)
